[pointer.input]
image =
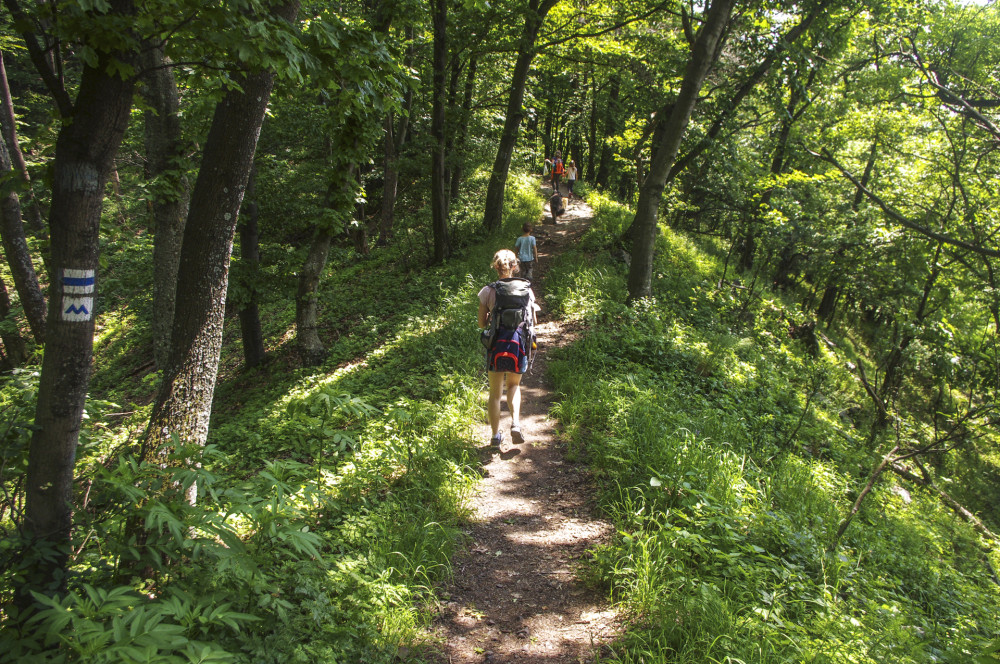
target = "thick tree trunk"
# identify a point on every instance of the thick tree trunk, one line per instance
(439, 198)
(703, 55)
(310, 346)
(253, 337)
(534, 17)
(184, 403)
(85, 150)
(15, 248)
(171, 192)
(34, 211)
(390, 183)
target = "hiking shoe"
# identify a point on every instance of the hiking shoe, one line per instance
(496, 439)
(515, 435)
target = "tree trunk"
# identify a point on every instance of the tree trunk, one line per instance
(184, 401)
(253, 338)
(394, 142)
(15, 248)
(339, 194)
(310, 346)
(13, 344)
(886, 460)
(463, 128)
(703, 55)
(828, 305)
(439, 199)
(591, 132)
(9, 121)
(534, 17)
(610, 128)
(171, 190)
(88, 140)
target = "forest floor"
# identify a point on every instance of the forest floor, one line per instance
(516, 594)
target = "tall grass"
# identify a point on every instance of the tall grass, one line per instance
(726, 489)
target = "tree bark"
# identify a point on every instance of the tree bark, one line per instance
(458, 170)
(9, 120)
(88, 140)
(591, 132)
(13, 344)
(610, 128)
(704, 53)
(338, 196)
(395, 139)
(171, 191)
(310, 346)
(439, 196)
(15, 248)
(184, 402)
(253, 338)
(535, 15)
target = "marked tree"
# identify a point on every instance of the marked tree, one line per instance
(93, 125)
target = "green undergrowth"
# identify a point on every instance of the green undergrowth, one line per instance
(329, 498)
(725, 459)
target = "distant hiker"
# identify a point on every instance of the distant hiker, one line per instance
(571, 177)
(556, 206)
(527, 252)
(507, 311)
(557, 170)
(546, 167)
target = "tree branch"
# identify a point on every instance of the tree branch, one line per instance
(898, 216)
(63, 102)
(951, 502)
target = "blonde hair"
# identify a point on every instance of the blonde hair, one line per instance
(504, 262)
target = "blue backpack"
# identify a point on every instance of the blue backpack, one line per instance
(510, 337)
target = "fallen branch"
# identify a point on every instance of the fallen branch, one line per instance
(971, 518)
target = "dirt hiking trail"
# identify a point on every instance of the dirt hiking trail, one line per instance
(516, 595)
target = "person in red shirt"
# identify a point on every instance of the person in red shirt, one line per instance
(557, 170)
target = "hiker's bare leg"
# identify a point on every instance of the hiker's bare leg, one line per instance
(513, 398)
(493, 405)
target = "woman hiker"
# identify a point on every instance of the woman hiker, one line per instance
(512, 368)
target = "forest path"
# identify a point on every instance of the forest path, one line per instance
(516, 595)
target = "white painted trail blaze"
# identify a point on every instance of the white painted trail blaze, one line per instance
(76, 309)
(77, 282)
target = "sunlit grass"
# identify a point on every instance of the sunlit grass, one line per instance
(727, 462)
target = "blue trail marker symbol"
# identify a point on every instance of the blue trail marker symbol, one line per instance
(77, 309)
(77, 281)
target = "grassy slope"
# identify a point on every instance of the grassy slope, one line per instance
(725, 462)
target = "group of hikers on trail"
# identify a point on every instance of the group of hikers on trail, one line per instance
(555, 169)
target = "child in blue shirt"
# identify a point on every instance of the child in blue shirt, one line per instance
(527, 252)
